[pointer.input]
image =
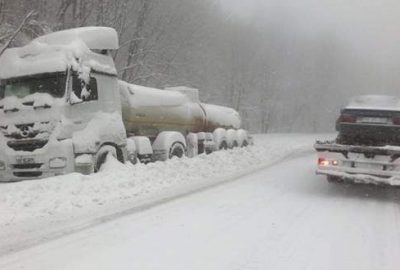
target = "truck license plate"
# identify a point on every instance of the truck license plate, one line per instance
(25, 160)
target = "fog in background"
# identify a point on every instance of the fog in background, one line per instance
(287, 66)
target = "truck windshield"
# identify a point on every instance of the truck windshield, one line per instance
(53, 84)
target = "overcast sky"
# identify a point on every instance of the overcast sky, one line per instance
(371, 26)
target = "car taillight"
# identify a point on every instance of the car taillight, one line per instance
(325, 162)
(396, 120)
(347, 119)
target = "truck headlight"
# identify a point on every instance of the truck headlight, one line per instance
(2, 166)
(58, 163)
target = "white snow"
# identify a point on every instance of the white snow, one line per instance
(375, 102)
(37, 99)
(105, 125)
(17, 62)
(283, 217)
(11, 103)
(84, 159)
(141, 96)
(59, 51)
(191, 93)
(222, 116)
(74, 98)
(96, 38)
(27, 207)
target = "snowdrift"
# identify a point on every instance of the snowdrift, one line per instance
(27, 207)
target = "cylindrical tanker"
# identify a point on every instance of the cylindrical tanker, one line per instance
(220, 117)
(149, 111)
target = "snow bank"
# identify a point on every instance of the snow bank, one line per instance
(68, 198)
(375, 102)
(104, 127)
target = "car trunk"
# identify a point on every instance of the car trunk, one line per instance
(369, 127)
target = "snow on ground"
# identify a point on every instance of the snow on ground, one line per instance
(281, 217)
(26, 207)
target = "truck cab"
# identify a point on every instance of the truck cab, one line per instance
(59, 105)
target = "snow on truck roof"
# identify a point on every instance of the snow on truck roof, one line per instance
(95, 38)
(375, 102)
(56, 52)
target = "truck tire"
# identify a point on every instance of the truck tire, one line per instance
(201, 149)
(177, 150)
(220, 139)
(245, 144)
(101, 156)
(223, 145)
(243, 138)
(168, 144)
(232, 138)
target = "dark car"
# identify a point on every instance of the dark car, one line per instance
(371, 121)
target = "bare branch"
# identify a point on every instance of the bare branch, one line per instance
(16, 32)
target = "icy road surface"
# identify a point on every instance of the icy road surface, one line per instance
(283, 217)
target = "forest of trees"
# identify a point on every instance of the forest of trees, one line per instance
(279, 79)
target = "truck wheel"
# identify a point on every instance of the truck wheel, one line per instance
(223, 145)
(334, 179)
(177, 150)
(245, 143)
(102, 154)
(201, 147)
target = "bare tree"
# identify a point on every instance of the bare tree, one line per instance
(16, 32)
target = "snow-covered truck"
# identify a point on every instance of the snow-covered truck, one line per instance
(63, 110)
(367, 148)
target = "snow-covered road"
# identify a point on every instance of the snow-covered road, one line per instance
(283, 217)
(32, 212)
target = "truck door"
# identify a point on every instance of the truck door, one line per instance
(84, 99)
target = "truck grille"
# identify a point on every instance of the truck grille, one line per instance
(27, 145)
(27, 166)
(28, 174)
(27, 131)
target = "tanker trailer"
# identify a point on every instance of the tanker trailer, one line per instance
(154, 114)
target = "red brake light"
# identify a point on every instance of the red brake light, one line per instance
(347, 119)
(323, 162)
